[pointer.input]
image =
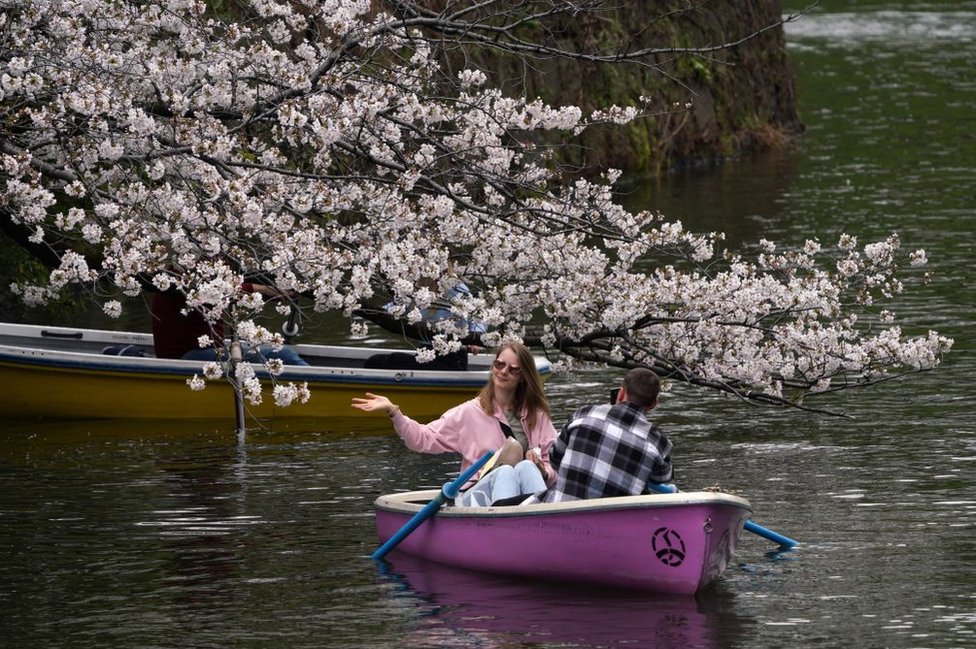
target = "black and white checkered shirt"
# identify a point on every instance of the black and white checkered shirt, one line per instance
(608, 451)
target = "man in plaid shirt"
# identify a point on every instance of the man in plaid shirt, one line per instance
(612, 450)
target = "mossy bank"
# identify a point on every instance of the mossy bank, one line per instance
(706, 107)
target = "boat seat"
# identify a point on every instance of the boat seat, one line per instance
(124, 350)
(456, 361)
(514, 500)
(394, 361)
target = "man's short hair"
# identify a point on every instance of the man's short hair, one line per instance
(642, 387)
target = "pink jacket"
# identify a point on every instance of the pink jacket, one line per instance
(467, 430)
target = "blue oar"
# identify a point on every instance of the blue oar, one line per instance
(448, 492)
(750, 526)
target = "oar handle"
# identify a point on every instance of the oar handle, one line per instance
(448, 492)
(289, 328)
(749, 525)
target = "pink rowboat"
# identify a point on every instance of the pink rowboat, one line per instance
(671, 543)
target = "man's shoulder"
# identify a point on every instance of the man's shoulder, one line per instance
(593, 411)
(621, 417)
(617, 412)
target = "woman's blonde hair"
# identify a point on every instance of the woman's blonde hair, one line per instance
(529, 395)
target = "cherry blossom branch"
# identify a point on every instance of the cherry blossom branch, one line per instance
(328, 148)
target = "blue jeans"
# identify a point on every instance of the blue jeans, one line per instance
(287, 355)
(504, 482)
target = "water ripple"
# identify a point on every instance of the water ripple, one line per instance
(915, 27)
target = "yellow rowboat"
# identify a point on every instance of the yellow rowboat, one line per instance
(64, 372)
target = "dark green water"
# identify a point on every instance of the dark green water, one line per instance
(116, 534)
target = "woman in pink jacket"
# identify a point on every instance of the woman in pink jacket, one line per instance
(512, 404)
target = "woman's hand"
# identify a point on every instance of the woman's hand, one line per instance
(534, 455)
(374, 402)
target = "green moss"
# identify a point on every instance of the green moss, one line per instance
(734, 92)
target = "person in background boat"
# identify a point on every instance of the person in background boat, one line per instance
(512, 403)
(612, 449)
(438, 311)
(176, 335)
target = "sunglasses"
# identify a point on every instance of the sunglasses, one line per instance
(501, 365)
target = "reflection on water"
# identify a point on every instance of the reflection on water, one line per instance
(740, 200)
(936, 24)
(455, 607)
(196, 524)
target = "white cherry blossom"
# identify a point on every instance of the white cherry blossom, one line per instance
(323, 147)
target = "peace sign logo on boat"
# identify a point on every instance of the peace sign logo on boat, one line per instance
(668, 546)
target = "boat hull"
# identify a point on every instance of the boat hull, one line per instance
(34, 391)
(59, 372)
(673, 543)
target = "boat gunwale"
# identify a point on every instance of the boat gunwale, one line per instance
(34, 353)
(35, 334)
(410, 502)
(13, 355)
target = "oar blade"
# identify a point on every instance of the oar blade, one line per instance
(775, 537)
